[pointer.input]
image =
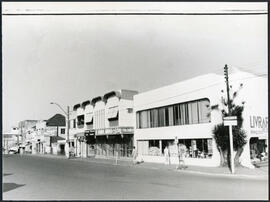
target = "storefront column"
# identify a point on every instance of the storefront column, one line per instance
(160, 148)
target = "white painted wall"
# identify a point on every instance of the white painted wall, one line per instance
(209, 86)
(125, 118)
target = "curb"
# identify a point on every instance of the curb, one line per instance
(243, 176)
(261, 177)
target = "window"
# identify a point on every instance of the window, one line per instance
(204, 111)
(194, 112)
(80, 120)
(167, 116)
(138, 120)
(74, 123)
(62, 131)
(129, 110)
(143, 119)
(161, 117)
(197, 148)
(154, 149)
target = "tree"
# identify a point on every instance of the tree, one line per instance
(221, 132)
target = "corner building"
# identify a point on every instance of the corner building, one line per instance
(182, 113)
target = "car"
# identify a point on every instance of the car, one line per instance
(13, 150)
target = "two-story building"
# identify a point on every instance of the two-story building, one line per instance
(104, 125)
(49, 135)
(181, 113)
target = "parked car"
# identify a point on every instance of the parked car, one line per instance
(13, 150)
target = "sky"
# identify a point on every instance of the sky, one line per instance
(69, 59)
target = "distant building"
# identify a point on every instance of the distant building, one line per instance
(25, 128)
(10, 139)
(48, 136)
(182, 112)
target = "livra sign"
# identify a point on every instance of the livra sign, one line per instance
(258, 122)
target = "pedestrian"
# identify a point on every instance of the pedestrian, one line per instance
(134, 155)
(167, 156)
(181, 155)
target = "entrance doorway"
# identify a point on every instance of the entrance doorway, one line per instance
(258, 149)
(62, 149)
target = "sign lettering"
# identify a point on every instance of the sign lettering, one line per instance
(258, 122)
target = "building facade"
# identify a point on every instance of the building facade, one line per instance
(103, 126)
(10, 139)
(48, 136)
(181, 113)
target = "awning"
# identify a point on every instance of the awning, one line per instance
(89, 117)
(112, 113)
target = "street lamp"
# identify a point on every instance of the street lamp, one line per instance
(67, 137)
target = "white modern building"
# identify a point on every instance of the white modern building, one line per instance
(182, 113)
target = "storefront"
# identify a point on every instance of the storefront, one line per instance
(112, 142)
(186, 111)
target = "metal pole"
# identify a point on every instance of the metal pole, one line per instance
(231, 149)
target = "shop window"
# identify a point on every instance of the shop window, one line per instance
(198, 148)
(154, 149)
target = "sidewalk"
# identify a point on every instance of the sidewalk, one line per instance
(261, 172)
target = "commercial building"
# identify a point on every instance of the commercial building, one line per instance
(183, 113)
(10, 139)
(48, 136)
(103, 126)
(26, 129)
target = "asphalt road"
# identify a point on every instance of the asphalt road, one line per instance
(39, 178)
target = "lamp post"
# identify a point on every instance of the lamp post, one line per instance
(67, 137)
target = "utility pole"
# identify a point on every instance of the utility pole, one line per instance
(230, 120)
(228, 89)
(68, 124)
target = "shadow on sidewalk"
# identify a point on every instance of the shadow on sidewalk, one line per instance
(6, 174)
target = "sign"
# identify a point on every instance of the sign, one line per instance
(230, 121)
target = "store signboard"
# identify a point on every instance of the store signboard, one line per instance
(258, 125)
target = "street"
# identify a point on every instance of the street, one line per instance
(39, 178)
